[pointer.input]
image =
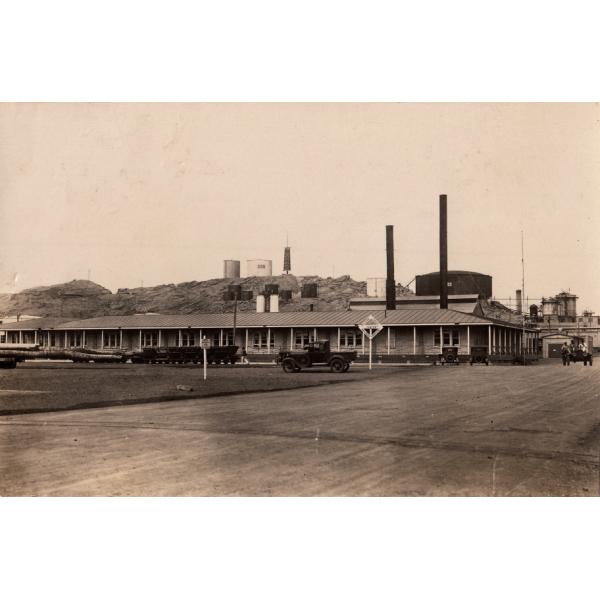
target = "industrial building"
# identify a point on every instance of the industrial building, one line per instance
(458, 283)
(557, 320)
(407, 334)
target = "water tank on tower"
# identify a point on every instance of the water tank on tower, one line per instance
(231, 269)
(258, 267)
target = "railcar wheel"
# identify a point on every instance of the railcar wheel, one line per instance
(337, 365)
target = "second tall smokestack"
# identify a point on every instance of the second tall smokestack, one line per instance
(443, 251)
(390, 282)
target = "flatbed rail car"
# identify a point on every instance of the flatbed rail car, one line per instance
(186, 354)
(9, 357)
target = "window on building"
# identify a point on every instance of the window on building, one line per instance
(149, 339)
(222, 340)
(350, 338)
(260, 340)
(111, 339)
(187, 338)
(451, 336)
(303, 337)
(28, 337)
(74, 339)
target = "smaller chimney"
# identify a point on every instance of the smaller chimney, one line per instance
(390, 283)
(260, 303)
(519, 302)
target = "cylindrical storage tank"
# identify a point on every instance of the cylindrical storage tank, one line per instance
(260, 303)
(231, 269)
(246, 295)
(274, 303)
(571, 307)
(309, 290)
(549, 307)
(271, 288)
(257, 267)
(459, 282)
(376, 287)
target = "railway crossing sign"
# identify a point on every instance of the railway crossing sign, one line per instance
(370, 327)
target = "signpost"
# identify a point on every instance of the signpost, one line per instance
(205, 346)
(370, 327)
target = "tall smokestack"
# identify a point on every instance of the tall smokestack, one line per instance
(443, 251)
(390, 283)
(519, 302)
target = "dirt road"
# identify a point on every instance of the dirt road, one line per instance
(436, 431)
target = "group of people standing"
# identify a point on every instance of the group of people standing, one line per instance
(568, 348)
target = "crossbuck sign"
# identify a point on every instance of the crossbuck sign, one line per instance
(370, 327)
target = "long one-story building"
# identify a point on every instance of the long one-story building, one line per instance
(405, 332)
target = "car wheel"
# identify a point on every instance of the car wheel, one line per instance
(337, 365)
(346, 367)
(289, 366)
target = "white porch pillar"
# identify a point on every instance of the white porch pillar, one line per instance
(140, 339)
(180, 342)
(83, 338)
(414, 340)
(246, 340)
(35, 337)
(493, 339)
(291, 338)
(315, 338)
(339, 338)
(21, 337)
(362, 347)
(441, 339)
(159, 338)
(268, 339)
(101, 339)
(388, 340)
(200, 338)
(468, 340)
(120, 338)
(220, 337)
(489, 339)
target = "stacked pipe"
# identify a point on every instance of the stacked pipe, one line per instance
(390, 283)
(443, 251)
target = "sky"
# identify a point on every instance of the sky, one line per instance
(149, 194)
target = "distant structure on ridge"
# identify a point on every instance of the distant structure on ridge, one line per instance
(231, 269)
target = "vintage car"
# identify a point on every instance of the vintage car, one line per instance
(316, 354)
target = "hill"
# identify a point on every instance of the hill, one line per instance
(83, 299)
